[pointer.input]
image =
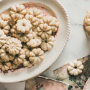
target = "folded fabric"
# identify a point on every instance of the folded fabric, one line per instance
(43, 83)
(75, 82)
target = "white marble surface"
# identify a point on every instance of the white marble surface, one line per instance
(77, 46)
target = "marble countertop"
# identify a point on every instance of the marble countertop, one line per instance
(77, 46)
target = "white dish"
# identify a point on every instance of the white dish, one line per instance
(51, 56)
(87, 85)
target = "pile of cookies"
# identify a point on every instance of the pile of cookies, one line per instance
(25, 35)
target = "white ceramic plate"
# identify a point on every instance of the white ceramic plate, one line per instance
(50, 56)
(87, 85)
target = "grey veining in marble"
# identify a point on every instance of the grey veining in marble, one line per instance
(78, 44)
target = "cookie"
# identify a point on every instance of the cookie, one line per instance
(87, 24)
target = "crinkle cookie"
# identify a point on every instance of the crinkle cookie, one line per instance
(1, 33)
(75, 67)
(34, 42)
(5, 56)
(4, 26)
(13, 31)
(87, 24)
(17, 11)
(34, 15)
(13, 46)
(44, 30)
(36, 55)
(13, 66)
(52, 22)
(23, 37)
(19, 58)
(88, 34)
(26, 37)
(20, 29)
(48, 43)
(34, 20)
(12, 22)
(26, 50)
(27, 63)
(35, 12)
(23, 26)
(2, 38)
(4, 66)
(5, 17)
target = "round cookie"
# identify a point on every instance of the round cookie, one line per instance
(87, 24)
